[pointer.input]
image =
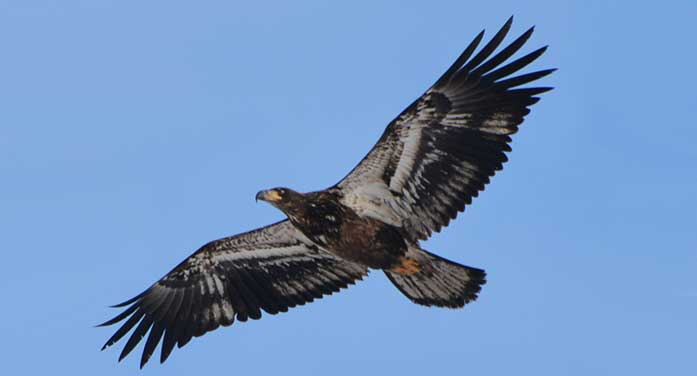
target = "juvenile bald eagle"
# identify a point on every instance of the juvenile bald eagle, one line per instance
(430, 162)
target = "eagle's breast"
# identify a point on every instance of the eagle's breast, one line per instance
(338, 229)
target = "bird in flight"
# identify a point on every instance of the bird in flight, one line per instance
(426, 167)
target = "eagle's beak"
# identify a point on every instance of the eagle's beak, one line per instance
(268, 196)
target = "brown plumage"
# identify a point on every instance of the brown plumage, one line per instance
(430, 162)
(337, 228)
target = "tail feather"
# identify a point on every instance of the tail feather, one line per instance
(439, 282)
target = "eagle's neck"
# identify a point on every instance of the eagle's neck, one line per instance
(296, 210)
(319, 217)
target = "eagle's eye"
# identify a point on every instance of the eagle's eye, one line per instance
(282, 192)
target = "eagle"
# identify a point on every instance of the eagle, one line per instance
(429, 163)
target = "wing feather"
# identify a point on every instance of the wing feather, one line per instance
(270, 269)
(442, 150)
(488, 48)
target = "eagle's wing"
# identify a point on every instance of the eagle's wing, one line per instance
(441, 151)
(272, 269)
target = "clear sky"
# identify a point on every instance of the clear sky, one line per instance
(133, 132)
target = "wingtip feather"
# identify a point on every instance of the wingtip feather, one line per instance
(129, 301)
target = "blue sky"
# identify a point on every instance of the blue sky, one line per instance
(132, 133)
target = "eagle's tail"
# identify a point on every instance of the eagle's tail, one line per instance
(431, 280)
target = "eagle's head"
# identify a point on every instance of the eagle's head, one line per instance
(285, 199)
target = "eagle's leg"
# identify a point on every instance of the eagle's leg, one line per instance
(406, 266)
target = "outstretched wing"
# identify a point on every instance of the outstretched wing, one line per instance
(272, 269)
(441, 151)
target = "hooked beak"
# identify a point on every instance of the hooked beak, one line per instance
(268, 196)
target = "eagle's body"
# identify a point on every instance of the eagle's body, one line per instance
(430, 162)
(335, 227)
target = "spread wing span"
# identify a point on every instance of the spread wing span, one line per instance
(441, 151)
(272, 269)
